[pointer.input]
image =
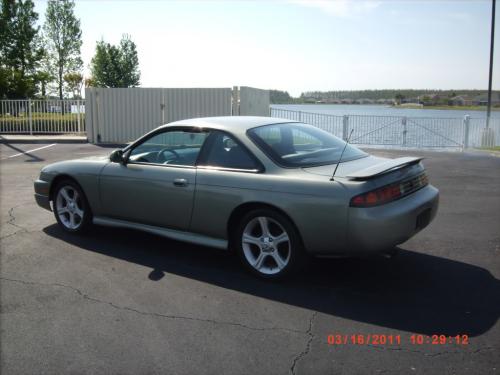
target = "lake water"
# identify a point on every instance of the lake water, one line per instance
(382, 110)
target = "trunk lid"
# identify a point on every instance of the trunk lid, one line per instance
(365, 168)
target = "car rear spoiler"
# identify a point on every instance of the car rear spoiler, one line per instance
(385, 167)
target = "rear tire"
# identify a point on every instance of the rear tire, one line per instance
(268, 244)
(71, 208)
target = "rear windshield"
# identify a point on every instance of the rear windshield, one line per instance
(301, 145)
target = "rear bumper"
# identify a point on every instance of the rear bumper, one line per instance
(42, 194)
(378, 229)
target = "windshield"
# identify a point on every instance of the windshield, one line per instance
(301, 145)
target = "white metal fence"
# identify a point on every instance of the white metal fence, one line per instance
(398, 131)
(42, 116)
(121, 115)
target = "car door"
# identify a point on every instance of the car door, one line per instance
(156, 183)
(227, 173)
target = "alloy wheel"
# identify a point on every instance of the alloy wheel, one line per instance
(69, 207)
(266, 245)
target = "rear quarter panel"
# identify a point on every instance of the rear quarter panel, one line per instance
(317, 207)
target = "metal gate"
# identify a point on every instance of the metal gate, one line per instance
(402, 132)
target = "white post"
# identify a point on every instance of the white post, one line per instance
(78, 115)
(403, 122)
(466, 131)
(345, 127)
(235, 108)
(162, 106)
(30, 119)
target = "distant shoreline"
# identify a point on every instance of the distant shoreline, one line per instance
(447, 107)
(407, 106)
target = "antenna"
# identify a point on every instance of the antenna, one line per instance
(342, 154)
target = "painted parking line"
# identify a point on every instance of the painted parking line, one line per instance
(29, 151)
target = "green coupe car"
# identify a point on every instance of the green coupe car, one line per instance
(273, 190)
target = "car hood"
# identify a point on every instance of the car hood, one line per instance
(95, 158)
(75, 166)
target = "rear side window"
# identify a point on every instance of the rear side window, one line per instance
(301, 145)
(224, 151)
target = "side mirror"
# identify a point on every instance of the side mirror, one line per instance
(117, 156)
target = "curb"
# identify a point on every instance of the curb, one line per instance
(479, 151)
(36, 140)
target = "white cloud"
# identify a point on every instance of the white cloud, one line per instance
(340, 8)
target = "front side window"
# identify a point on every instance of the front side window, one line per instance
(224, 152)
(176, 147)
(301, 145)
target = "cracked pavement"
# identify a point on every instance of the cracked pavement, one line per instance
(123, 302)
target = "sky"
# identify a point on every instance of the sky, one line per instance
(299, 45)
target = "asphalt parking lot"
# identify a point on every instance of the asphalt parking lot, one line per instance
(124, 302)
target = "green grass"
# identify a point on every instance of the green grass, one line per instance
(495, 148)
(41, 122)
(36, 116)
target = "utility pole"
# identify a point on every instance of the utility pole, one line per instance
(492, 41)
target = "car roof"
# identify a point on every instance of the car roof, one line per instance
(233, 124)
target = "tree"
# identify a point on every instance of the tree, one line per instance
(399, 98)
(426, 100)
(4, 83)
(7, 17)
(115, 66)
(74, 82)
(20, 48)
(42, 79)
(89, 82)
(64, 39)
(280, 97)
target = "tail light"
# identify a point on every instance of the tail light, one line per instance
(389, 193)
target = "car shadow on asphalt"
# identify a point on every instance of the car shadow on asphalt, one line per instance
(413, 292)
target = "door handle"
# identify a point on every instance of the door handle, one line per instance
(180, 182)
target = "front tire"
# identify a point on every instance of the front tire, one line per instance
(71, 207)
(268, 244)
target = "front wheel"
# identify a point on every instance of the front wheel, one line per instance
(71, 208)
(268, 244)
